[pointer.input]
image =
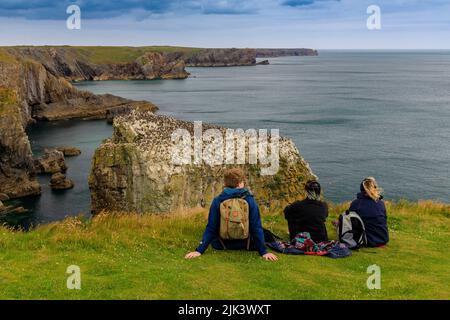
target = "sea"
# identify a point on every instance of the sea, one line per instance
(352, 114)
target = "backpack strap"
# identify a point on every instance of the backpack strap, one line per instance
(222, 243)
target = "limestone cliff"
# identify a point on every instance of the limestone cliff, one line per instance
(221, 58)
(29, 92)
(134, 172)
(267, 53)
(94, 63)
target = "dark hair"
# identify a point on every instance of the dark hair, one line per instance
(233, 177)
(313, 189)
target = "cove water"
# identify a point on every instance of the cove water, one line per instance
(351, 114)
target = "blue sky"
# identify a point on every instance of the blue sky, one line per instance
(321, 24)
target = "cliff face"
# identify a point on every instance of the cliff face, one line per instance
(134, 172)
(17, 177)
(268, 53)
(74, 64)
(221, 58)
(35, 85)
(29, 92)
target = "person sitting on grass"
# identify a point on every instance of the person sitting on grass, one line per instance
(308, 215)
(369, 205)
(234, 221)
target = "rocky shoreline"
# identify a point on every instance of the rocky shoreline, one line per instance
(36, 85)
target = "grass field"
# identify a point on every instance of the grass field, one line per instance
(110, 54)
(141, 257)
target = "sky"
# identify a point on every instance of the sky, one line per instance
(319, 24)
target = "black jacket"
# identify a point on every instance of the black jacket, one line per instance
(307, 216)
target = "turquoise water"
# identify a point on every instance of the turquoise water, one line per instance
(351, 114)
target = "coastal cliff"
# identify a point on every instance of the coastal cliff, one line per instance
(221, 58)
(134, 172)
(270, 53)
(104, 63)
(30, 92)
(36, 85)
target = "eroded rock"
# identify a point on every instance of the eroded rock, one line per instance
(3, 197)
(134, 172)
(59, 181)
(34, 86)
(52, 161)
(69, 151)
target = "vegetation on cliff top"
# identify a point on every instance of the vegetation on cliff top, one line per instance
(141, 257)
(115, 54)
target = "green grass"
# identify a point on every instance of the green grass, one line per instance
(114, 54)
(141, 257)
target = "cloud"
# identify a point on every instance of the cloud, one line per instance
(97, 9)
(229, 7)
(303, 3)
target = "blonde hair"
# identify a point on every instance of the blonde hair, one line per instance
(371, 188)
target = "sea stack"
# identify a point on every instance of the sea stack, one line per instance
(59, 181)
(133, 171)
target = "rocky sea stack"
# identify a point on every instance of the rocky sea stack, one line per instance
(59, 181)
(134, 170)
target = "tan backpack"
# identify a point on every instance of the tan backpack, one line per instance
(234, 215)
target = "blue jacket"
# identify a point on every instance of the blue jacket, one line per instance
(213, 228)
(373, 214)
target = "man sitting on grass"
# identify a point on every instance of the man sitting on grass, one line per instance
(234, 222)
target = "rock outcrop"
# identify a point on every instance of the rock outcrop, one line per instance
(77, 63)
(52, 161)
(59, 181)
(17, 176)
(30, 92)
(270, 53)
(263, 63)
(69, 151)
(221, 58)
(134, 170)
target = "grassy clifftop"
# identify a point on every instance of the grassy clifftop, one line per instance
(112, 54)
(141, 257)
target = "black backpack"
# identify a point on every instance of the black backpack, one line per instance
(351, 230)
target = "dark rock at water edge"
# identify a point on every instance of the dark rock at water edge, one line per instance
(59, 181)
(52, 161)
(69, 151)
(8, 210)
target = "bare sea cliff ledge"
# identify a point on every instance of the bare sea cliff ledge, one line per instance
(133, 171)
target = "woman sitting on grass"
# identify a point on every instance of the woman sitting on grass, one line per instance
(308, 215)
(369, 205)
